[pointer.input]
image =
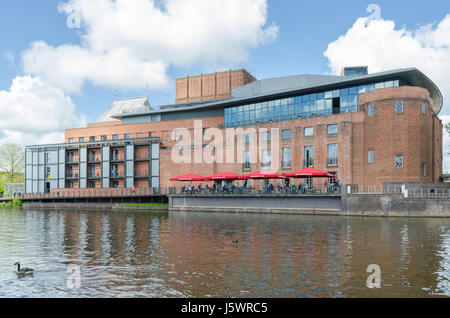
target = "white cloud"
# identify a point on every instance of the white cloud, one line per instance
(127, 43)
(34, 112)
(379, 45)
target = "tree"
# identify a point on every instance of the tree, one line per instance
(12, 162)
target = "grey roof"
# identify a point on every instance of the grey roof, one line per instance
(125, 106)
(303, 84)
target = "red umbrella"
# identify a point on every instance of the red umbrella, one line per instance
(224, 176)
(188, 177)
(264, 174)
(309, 173)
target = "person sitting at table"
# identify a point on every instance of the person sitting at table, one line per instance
(271, 188)
(294, 188)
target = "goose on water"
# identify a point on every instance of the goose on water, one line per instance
(23, 271)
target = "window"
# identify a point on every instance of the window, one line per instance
(246, 164)
(423, 170)
(92, 138)
(309, 132)
(246, 139)
(115, 137)
(265, 162)
(332, 129)
(371, 156)
(287, 134)
(286, 163)
(308, 156)
(71, 140)
(332, 159)
(81, 139)
(47, 157)
(92, 184)
(104, 138)
(70, 185)
(399, 106)
(424, 108)
(371, 111)
(167, 136)
(266, 136)
(398, 161)
(127, 136)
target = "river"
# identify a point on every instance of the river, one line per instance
(158, 254)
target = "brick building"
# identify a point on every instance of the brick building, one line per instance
(365, 128)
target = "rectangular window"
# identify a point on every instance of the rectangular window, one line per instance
(127, 136)
(398, 161)
(92, 138)
(92, 184)
(246, 164)
(266, 136)
(246, 139)
(115, 137)
(167, 136)
(309, 131)
(424, 108)
(399, 106)
(423, 170)
(332, 159)
(70, 140)
(371, 111)
(286, 158)
(287, 134)
(308, 156)
(104, 138)
(371, 156)
(332, 129)
(81, 139)
(266, 161)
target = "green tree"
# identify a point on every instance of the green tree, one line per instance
(12, 163)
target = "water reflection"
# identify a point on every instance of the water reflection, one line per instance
(123, 254)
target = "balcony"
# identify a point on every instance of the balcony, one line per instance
(308, 163)
(71, 160)
(141, 174)
(72, 176)
(142, 157)
(119, 158)
(117, 175)
(332, 162)
(94, 175)
(94, 159)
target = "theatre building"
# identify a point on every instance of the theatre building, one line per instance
(365, 128)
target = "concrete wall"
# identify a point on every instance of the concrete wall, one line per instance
(258, 204)
(394, 205)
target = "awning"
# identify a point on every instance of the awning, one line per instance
(188, 177)
(264, 174)
(309, 173)
(224, 176)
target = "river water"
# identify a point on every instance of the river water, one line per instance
(140, 254)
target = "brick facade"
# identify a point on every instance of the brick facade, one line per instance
(416, 136)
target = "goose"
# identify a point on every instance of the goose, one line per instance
(23, 271)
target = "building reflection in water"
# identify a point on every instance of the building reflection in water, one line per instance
(125, 254)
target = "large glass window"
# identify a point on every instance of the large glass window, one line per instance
(308, 156)
(246, 164)
(371, 156)
(265, 162)
(344, 100)
(424, 108)
(286, 164)
(371, 111)
(398, 161)
(287, 134)
(332, 159)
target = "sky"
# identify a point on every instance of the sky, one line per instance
(62, 62)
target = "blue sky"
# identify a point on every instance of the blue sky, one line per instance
(304, 31)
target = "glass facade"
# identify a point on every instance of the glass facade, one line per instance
(304, 106)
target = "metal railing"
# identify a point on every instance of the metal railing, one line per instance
(414, 192)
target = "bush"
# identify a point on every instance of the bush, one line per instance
(14, 204)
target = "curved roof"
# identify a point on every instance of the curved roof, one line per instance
(304, 84)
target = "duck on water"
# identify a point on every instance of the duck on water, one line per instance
(23, 271)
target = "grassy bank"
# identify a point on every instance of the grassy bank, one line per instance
(14, 204)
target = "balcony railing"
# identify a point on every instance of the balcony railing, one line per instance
(72, 175)
(141, 173)
(71, 160)
(332, 161)
(94, 175)
(117, 174)
(117, 158)
(308, 163)
(142, 157)
(94, 159)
